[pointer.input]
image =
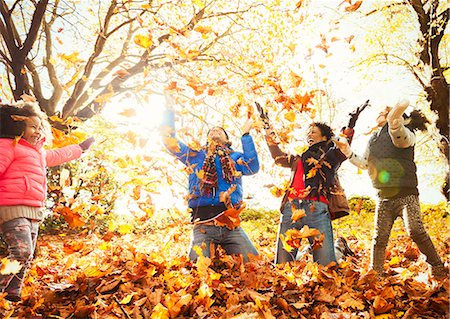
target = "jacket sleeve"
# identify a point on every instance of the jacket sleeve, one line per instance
(62, 155)
(180, 150)
(248, 163)
(6, 154)
(281, 158)
(402, 137)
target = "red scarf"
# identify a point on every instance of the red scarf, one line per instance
(210, 179)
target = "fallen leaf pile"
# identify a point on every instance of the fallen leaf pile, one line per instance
(148, 275)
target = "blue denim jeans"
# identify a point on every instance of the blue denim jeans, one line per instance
(233, 241)
(20, 235)
(319, 219)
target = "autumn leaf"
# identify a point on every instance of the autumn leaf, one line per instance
(297, 213)
(172, 86)
(144, 41)
(128, 112)
(203, 29)
(380, 305)
(121, 73)
(312, 172)
(160, 312)
(353, 7)
(290, 116)
(73, 218)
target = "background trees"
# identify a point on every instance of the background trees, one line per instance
(218, 57)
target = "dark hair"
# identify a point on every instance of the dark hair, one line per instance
(325, 130)
(416, 120)
(9, 127)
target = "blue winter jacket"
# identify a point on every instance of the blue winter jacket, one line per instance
(245, 162)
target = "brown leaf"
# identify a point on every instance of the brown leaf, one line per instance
(82, 312)
(380, 305)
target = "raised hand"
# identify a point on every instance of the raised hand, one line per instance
(355, 114)
(248, 125)
(342, 144)
(86, 144)
(395, 116)
(263, 115)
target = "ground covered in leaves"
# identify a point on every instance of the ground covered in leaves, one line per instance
(146, 274)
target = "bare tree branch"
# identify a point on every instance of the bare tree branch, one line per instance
(38, 16)
(70, 104)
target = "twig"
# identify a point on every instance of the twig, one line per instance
(123, 310)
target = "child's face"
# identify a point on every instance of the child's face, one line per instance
(32, 132)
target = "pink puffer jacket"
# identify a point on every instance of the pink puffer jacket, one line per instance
(23, 179)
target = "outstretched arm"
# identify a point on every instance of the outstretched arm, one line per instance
(401, 136)
(167, 130)
(62, 155)
(357, 160)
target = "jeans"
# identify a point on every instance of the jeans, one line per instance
(319, 219)
(20, 235)
(233, 241)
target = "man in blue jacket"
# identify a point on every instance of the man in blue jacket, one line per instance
(215, 187)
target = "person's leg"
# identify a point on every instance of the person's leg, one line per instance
(204, 237)
(282, 255)
(236, 241)
(20, 235)
(384, 219)
(414, 227)
(318, 217)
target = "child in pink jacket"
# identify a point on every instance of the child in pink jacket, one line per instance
(23, 184)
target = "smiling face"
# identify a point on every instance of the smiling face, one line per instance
(217, 135)
(32, 133)
(314, 135)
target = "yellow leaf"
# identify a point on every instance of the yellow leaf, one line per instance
(126, 300)
(199, 3)
(144, 41)
(394, 261)
(112, 225)
(160, 312)
(125, 229)
(290, 116)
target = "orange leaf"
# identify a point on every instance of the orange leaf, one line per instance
(128, 112)
(297, 214)
(353, 7)
(380, 305)
(200, 174)
(121, 73)
(172, 86)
